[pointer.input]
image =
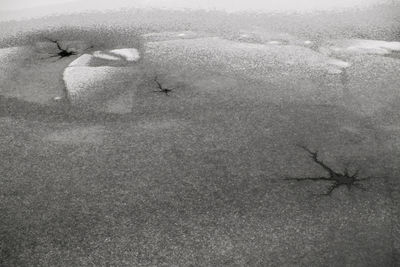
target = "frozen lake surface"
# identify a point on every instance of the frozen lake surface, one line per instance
(124, 174)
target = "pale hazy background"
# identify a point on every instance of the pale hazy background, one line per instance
(39, 6)
(230, 5)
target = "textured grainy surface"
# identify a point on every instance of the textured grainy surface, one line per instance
(196, 178)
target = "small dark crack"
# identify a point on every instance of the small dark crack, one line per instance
(162, 89)
(338, 179)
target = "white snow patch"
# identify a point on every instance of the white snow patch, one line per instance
(129, 54)
(274, 42)
(308, 42)
(375, 44)
(106, 56)
(360, 46)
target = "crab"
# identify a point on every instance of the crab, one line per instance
(337, 179)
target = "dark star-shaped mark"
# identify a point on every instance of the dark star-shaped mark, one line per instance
(338, 179)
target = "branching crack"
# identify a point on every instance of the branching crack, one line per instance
(64, 52)
(338, 179)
